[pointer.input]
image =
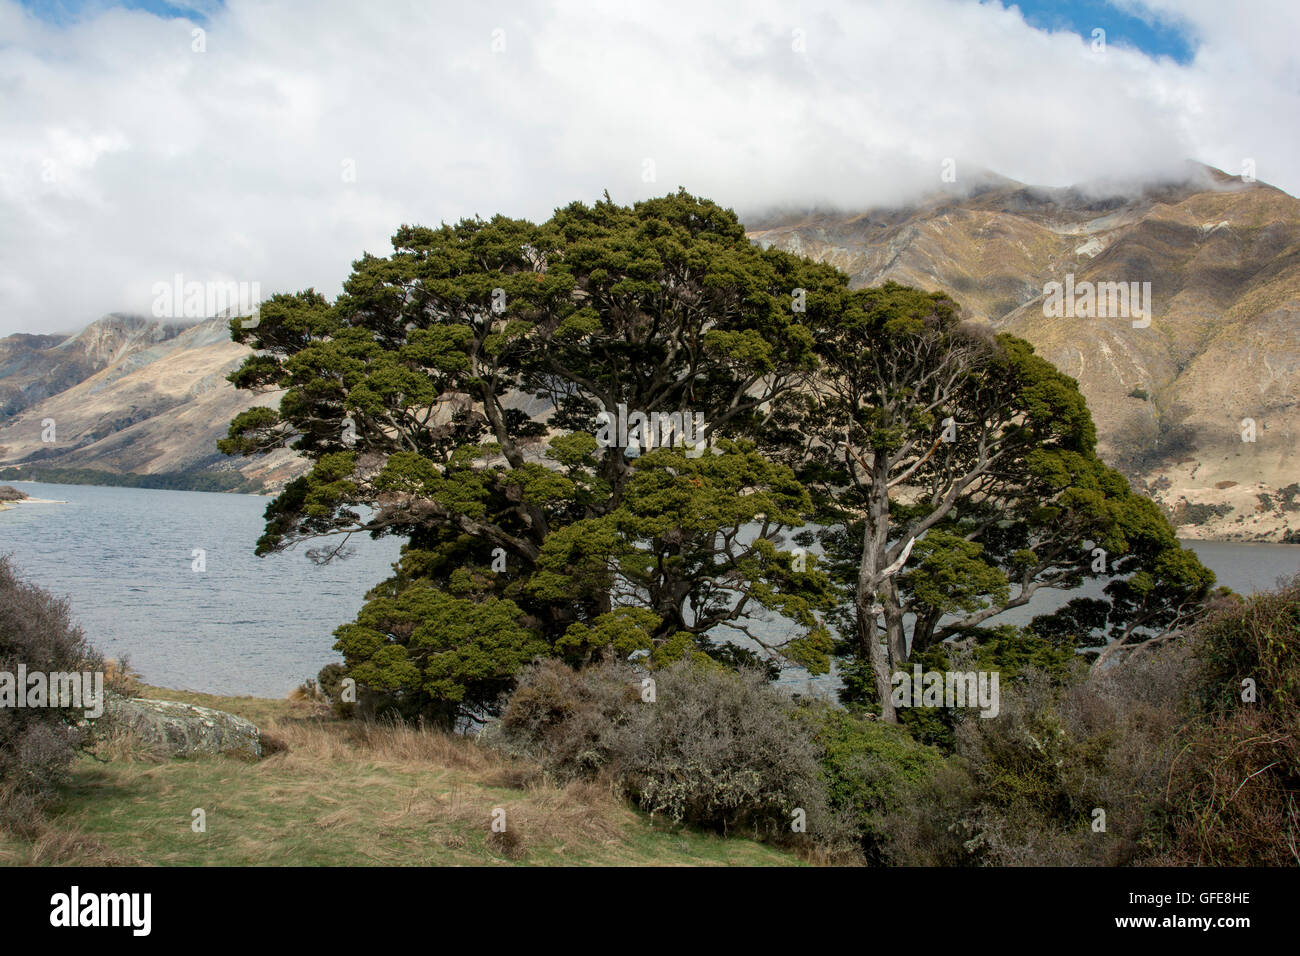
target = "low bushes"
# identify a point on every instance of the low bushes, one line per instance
(575, 723)
(1234, 786)
(1070, 776)
(37, 744)
(1184, 754)
(1155, 759)
(723, 749)
(871, 771)
(710, 747)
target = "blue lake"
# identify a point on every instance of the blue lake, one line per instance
(244, 625)
(249, 625)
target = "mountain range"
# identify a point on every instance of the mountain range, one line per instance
(1195, 401)
(130, 396)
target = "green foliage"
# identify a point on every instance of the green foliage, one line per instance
(408, 395)
(1014, 651)
(870, 769)
(1167, 741)
(1231, 790)
(405, 395)
(950, 575)
(330, 682)
(621, 631)
(928, 430)
(1254, 639)
(1026, 787)
(430, 652)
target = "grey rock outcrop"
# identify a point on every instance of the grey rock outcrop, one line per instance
(183, 730)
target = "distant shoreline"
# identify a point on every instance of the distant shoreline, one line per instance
(221, 482)
(184, 481)
(10, 496)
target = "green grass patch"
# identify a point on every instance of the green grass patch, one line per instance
(345, 795)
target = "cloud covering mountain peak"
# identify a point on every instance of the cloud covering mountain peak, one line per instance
(283, 140)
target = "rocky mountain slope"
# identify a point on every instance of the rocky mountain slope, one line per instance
(1199, 405)
(34, 367)
(156, 404)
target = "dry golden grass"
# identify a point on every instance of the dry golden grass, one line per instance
(581, 814)
(119, 677)
(61, 846)
(393, 743)
(345, 793)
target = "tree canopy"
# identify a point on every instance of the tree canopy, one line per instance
(451, 396)
(519, 402)
(956, 475)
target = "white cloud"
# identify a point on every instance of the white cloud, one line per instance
(125, 157)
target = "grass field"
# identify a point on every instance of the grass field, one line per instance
(341, 793)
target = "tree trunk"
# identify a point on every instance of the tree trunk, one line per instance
(870, 645)
(895, 635)
(873, 556)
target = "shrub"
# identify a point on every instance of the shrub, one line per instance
(1186, 771)
(572, 722)
(1197, 514)
(722, 749)
(1232, 787)
(716, 748)
(1288, 496)
(933, 822)
(1055, 756)
(870, 769)
(1251, 639)
(1008, 650)
(1023, 787)
(329, 683)
(38, 744)
(425, 653)
(1232, 796)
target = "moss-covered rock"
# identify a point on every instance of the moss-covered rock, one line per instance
(176, 729)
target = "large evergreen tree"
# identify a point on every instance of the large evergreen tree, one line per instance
(463, 391)
(451, 396)
(956, 476)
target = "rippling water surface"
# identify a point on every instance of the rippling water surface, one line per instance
(245, 625)
(249, 625)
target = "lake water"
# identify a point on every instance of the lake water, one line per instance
(249, 625)
(244, 625)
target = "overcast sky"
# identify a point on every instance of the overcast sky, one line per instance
(288, 137)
